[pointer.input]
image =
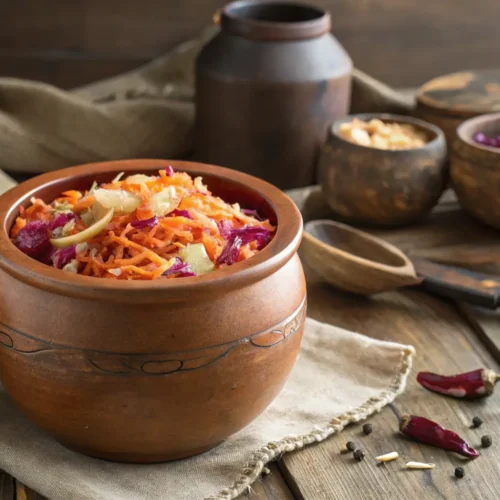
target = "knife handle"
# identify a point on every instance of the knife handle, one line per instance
(459, 284)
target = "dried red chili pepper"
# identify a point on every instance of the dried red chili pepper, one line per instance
(429, 432)
(475, 384)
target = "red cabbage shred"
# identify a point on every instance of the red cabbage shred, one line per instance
(141, 224)
(63, 256)
(180, 268)
(33, 238)
(235, 238)
(486, 140)
(61, 220)
(252, 213)
(181, 213)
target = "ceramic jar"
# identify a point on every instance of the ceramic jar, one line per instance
(267, 86)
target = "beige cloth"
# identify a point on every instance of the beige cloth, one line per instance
(340, 377)
(146, 113)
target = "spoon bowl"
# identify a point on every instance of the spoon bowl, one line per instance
(355, 261)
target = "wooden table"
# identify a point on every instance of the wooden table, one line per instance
(449, 337)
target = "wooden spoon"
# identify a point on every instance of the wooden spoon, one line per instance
(358, 262)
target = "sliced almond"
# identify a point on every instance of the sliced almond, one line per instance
(419, 465)
(388, 457)
(84, 235)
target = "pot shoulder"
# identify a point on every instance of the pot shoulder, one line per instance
(236, 58)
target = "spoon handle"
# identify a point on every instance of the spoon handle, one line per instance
(459, 284)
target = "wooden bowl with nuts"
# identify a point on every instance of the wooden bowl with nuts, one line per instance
(382, 169)
(474, 167)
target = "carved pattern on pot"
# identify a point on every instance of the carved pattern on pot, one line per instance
(102, 362)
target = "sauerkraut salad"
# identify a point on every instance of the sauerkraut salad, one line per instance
(141, 227)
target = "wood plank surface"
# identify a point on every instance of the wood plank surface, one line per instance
(269, 487)
(448, 338)
(7, 489)
(382, 36)
(25, 493)
(446, 341)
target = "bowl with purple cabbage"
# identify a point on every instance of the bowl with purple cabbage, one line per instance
(475, 167)
(150, 308)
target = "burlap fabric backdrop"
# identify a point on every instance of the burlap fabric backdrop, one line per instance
(147, 113)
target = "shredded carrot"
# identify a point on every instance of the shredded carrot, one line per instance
(155, 219)
(83, 204)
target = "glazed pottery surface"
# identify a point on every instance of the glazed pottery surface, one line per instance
(267, 86)
(474, 169)
(150, 371)
(380, 187)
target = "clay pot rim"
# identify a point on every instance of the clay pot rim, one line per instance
(254, 29)
(469, 127)
(281, 249)
(438, 134)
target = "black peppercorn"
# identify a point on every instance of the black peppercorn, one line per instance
(367, 429)
(459, 472)
(350, 446)
(359, 455)
(486, 441)
(476, 422)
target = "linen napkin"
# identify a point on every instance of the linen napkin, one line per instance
(340, 377)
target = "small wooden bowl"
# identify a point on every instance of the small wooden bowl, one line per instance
(381, 187)
(449, 100)
(475, 170)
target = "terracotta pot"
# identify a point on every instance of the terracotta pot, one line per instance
(267, 86)
(150, 371)
(380, 187)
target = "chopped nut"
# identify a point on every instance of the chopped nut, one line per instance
(360, 136)
(388, 457)
(419, 465)
(377, 134)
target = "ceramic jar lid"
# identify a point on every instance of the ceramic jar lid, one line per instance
(467, 93)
